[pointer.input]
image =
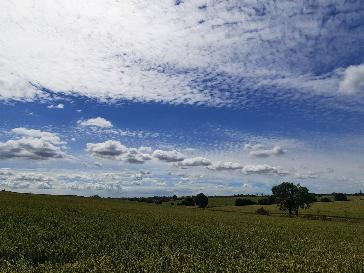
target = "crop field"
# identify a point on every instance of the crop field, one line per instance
(41, 233)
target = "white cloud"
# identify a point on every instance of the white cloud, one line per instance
(353, 81)
(32, 133)
(58, 106)
(98, 122)
(220, 166)
(114, 150)
(141, 51)
(258, 150)
(260, 169)
(110, 149)
(168, 156)
(33, 144)
(195, 161)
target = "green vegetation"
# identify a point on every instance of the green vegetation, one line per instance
(201, 200)
(340, 196)
(42, 233)
(244, 202)
(292, 197)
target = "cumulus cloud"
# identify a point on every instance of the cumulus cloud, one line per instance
(195, 161)
(33, 144)
(114, 150)
(135, 156)
(58, 106)
(168, 156)
(97, 122)
(220, 166)
(353, 81)
(32, 133)
(260, 169)
(258, 150)
(109, 149)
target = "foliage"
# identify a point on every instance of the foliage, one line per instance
(244, 202)
(262, 211)
(291, 197)
(201, 200)
(340, 196)
(325, 199)
(266, 200)
(187, 201)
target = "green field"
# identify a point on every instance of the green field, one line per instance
(75, 234)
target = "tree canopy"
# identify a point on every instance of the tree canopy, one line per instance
(292, 197)
(201, 200)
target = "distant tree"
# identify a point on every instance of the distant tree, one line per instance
(201, 200)
(174, 197)
(325, 199)
(340, 196)
(95, 196)
(291, 197)
(266, 200)
(244, 202)
(187, 201)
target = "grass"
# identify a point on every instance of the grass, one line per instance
(353, 209)
(75, 234)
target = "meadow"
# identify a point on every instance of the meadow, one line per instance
(41, 233)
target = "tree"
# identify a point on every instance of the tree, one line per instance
(340, 196)
(291, 197)
(201, 200)
(188, 201)
(266, 200)
(244, 202)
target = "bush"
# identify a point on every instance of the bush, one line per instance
(266, 201)
(262, 211)
(201, 200)
(325, 199)
(188, 201)
(95, 196)
(340, 196)
(244, 202)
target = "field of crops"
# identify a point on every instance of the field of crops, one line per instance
(75, 234)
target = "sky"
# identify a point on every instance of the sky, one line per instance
(139, 98)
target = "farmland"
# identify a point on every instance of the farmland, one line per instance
(41, 233)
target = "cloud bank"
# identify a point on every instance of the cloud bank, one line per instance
(194, 52)
(33, 144)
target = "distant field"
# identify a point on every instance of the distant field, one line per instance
(349, 209)
(74, 234)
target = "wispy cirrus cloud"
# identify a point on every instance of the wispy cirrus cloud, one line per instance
(203, 52)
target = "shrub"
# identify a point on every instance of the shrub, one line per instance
(266, 200)
(95, 196)
(188, 201)
(325, 199)
(201, 200)
(244, 202)
(340, 196)
(262, 211)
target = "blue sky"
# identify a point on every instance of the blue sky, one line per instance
(126, 98)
